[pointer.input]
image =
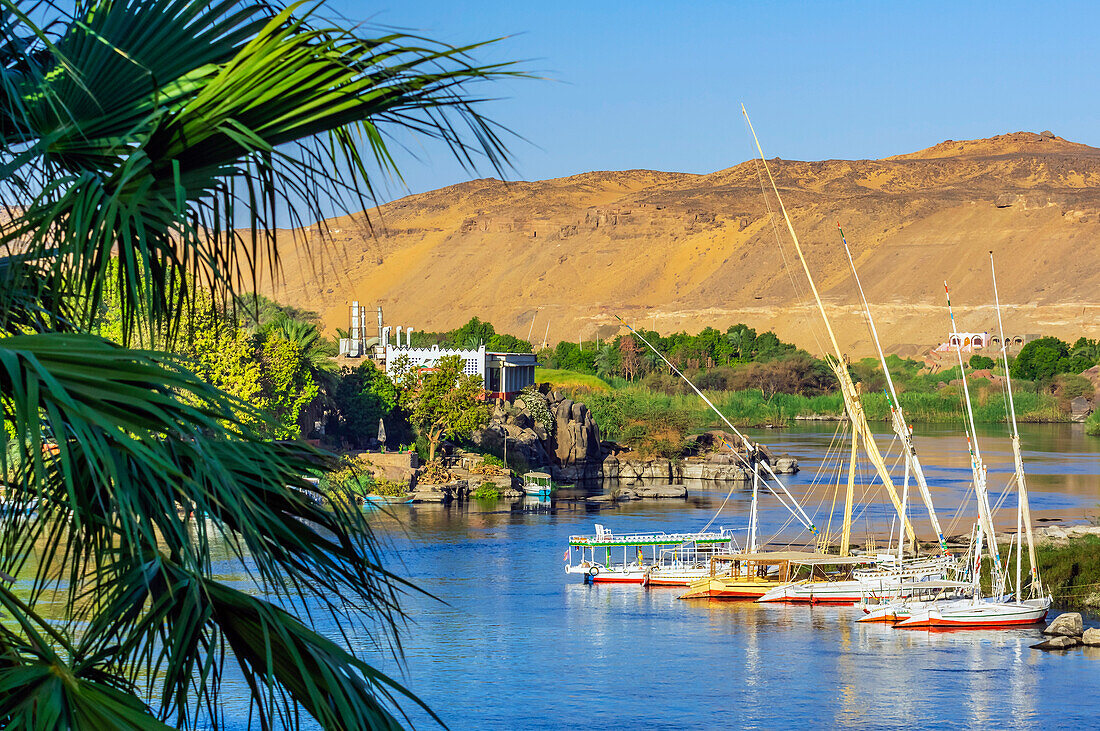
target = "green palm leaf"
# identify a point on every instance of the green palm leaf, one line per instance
(133, 136)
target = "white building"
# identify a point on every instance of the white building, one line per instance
(969, 341)
(428, 358)
(504, 374)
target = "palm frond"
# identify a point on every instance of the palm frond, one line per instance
(156, 155)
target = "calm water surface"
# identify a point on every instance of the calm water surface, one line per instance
(515, 643)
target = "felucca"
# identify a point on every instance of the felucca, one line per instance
(999, 609)
(891, 571)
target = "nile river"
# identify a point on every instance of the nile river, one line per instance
(512, 642)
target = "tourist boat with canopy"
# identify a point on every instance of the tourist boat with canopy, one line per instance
(537, 484)
(616, 558)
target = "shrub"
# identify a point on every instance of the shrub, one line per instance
(389, 488)
(1068, 386)
(981, 362)
(486, 491)
(537, 407)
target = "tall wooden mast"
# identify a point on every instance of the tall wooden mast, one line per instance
(1023, 506)
(897, 416)
(847, 387)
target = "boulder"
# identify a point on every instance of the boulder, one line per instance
(714, 471)
(661, 491)
(1053, 533)
(523, 420)
(1057, 643)
(1066, 625)
(785, 465)
(624, 493)
(576, 440)
(635, 470)
(1080, 408)
(1091, 637)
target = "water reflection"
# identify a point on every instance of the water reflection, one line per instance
(516, 643)
(522, 645)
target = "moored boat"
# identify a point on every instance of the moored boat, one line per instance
(537, 484)
(976, 613)
(683, 565)
(997, 610)
(746, 575)
(598, 553)
(891, 608)
(836, 580)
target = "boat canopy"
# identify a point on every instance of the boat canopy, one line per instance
(803, 558)
(610, 540)
(936, 584)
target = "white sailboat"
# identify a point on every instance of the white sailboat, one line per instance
(998, 609)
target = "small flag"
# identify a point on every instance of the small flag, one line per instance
(567, 555)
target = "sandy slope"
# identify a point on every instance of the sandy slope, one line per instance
(679, 251)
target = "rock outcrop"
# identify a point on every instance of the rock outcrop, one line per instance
(1060, 642)
(547, 432)
(1069, 624)
(442, 493)
(565, 441)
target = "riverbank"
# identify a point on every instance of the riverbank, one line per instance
(1070, 566)
(623, 410)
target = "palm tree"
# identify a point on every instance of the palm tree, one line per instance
(316, 350)
(605, 361)
(737, 341)
(1088, 350)
(144, 132)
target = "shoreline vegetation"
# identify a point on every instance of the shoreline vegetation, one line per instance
(1071, 570)
(751, 408)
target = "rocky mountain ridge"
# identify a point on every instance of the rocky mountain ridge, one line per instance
(677, 251)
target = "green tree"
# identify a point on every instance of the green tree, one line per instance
(160, 130)
(288, 384)
(1087, 350)
(606, 361)
(981, 362)
(505, 343)
(1041, 360)
(447, 402)
(473, 334)
(362, 397)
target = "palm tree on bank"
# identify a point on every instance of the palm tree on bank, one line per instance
(144, 132)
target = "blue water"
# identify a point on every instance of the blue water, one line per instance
(521, 645)
(512, 642)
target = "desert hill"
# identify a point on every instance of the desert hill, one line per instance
(678, 251)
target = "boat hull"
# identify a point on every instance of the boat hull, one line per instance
(604, 575)
(718, 588)
(835, 592)
(685, 577)
(977, 615)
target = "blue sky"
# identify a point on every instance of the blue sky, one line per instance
(658, 84)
